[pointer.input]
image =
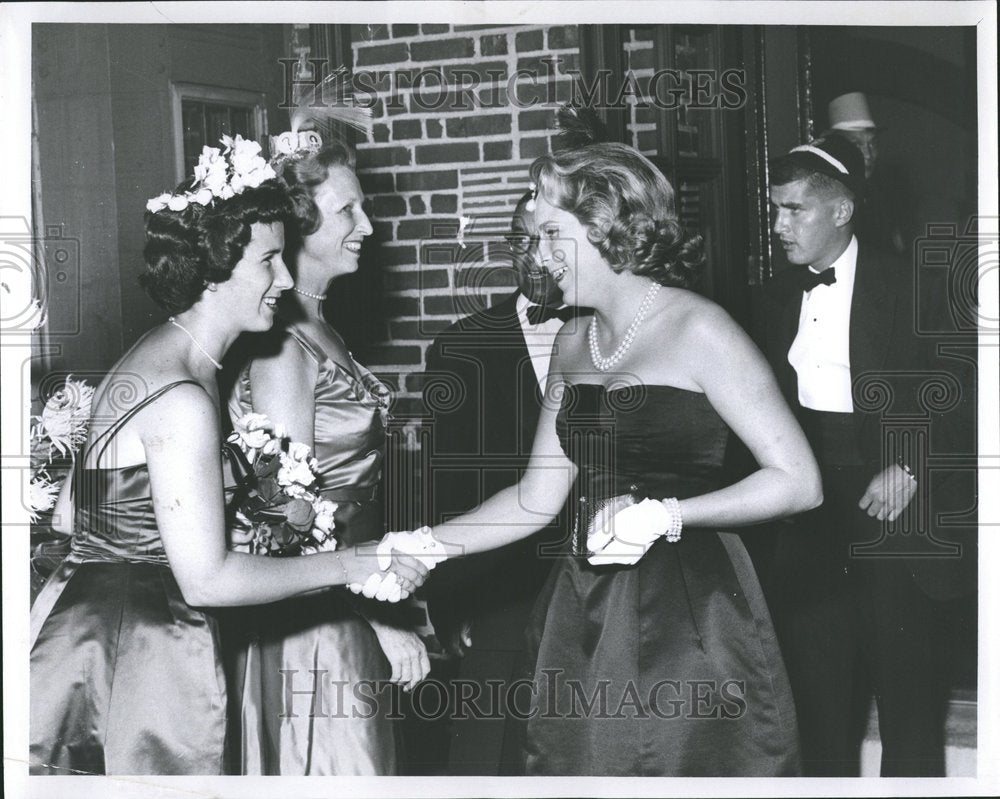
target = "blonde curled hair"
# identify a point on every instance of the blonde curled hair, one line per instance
(628, 208)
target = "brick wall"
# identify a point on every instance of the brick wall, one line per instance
(457, 145)
(639, 61)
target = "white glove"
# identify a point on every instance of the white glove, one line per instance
(420, 545)
(626, 536)
(384, 587)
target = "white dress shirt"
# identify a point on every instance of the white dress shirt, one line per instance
(820, 353)
(539, 338)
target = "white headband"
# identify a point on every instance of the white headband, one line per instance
(855, 124)
(808, 148)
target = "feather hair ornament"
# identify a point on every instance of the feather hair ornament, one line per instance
(313, 106)
(578, 126)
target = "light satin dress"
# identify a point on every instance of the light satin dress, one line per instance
(126, 677)
(308, 679)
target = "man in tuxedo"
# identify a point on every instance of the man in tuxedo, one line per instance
(857, 584)
(486, 377)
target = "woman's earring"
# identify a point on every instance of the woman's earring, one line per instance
(212, 286)
(533, 188)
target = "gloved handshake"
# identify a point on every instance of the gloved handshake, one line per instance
(383, 584)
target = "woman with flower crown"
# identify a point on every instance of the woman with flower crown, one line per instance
(302, 375)
(126, 672)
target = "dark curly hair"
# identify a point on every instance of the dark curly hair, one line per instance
(628, 208)
(186, 250)
(302, 174)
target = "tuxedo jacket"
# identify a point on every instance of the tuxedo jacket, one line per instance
(483, 401)
(894, 371)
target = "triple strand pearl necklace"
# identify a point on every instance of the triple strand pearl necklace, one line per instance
(195, 341)
(604, 364)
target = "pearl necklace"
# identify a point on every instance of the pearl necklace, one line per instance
(204, 352)
(604, 364)
(309, 294)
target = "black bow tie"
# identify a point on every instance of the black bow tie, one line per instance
(812, 279)
(542, 313)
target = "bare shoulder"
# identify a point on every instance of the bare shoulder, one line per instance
(703, 324)
(185, 411)
(710, 345)
(286, 358)
(166, 408)
(571, 340)
(575, 328)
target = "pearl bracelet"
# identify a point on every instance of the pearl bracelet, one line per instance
(673, 532)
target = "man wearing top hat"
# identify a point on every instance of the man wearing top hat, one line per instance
(852, 619)
(885, 216)
(850, 116)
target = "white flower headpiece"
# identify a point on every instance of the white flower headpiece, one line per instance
(220, 175)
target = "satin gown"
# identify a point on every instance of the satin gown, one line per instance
(308, 677)
(669, 667)
(126, 677)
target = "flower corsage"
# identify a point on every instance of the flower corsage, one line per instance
(272, 496)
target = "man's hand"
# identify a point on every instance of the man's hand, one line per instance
(888, 494)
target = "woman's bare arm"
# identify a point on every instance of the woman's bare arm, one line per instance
(282, 386)
(180, 434)
(739, 384)
(528, 505)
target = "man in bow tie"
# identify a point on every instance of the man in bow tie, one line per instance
(852, 620)
(494, 364)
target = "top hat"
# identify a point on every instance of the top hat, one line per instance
(850, 112)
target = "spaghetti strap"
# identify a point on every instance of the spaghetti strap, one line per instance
(308, 344)
(110, 433)
(317, 352)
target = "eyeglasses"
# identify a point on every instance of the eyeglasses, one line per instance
(521, 243)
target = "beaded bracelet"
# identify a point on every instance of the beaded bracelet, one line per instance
(905, 467)
(673, 532)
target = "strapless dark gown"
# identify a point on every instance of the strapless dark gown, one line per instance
(126, 677)
(675, 656)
